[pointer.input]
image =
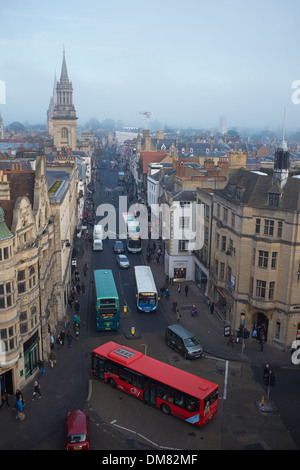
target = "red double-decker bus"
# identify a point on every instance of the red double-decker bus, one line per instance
(174, 391)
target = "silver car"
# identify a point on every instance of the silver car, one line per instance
(123, 261)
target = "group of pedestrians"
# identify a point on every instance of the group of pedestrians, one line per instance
(153, 255)
(19, 405)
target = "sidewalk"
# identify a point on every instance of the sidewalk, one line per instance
(210, 328)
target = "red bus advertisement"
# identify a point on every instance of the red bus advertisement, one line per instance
(172, 390)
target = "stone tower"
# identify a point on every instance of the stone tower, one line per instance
(62, 119)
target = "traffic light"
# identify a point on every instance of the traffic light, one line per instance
(267, 378)
(273, 379)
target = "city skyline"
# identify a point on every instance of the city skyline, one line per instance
(187, 64)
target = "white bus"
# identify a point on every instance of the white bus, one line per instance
(132, 228)
(146, 292)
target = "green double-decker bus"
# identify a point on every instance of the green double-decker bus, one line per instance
(106, 300)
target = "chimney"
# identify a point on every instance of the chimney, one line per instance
(4, 187)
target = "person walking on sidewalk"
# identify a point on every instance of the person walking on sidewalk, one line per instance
(70, 339)
(178, 316)
(77, 306)
(231, 340)
(85, 269)
(20, 415)
(83, 288)
(212, 308)
(36, 389)
(52, 359)
(186, 290)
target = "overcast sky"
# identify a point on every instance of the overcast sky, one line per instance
(188, 62)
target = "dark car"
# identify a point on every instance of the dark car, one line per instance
(123, 261)
(118, 246)
(77, 430)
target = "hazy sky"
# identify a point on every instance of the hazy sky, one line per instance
(187, 62)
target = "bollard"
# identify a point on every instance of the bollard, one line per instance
(262, 400)
(125, 308)
(132, 330)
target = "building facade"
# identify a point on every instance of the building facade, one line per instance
(255, 255)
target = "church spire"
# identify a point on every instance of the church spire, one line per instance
(64, 71)
(281, 161)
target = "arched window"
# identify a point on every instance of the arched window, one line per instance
(64, 133)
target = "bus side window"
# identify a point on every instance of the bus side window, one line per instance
(111, 368)
(192, 404)
(179, 400)
(124, 375)
(165, 393)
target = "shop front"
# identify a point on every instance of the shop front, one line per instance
(180, 269)
(201, 278)
(31, 355)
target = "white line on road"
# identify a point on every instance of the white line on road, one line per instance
(140, 435)
(225, 381)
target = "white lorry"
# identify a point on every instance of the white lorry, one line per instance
(98, 238)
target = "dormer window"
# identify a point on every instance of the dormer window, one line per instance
(239, 193)
(274, 199)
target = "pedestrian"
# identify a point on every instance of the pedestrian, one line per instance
(69, 338)
(231, 340)
(77, 332)
(162, 291)
(193, 310)
(212, 307)
(36, 389)
(52, 359)
(41, 367)
(18, 396)
(83, 288)
(77, 321)
(52, 341)
(174, 306)
(20, 415)
(186, 290)
(4, 397)
(261, 344)
(77, 306)
(62, 337)
(67, 320)
(178, 316)
(78, 288)
(85, 269)
(58, 342)
(70, 301)
(178, 289)
(167, 293)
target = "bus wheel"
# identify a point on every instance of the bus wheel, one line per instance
(165, 409)
(112, 383)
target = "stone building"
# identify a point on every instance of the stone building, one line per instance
(27, 260)
(37, 228)
(61, 115)
(255, 253)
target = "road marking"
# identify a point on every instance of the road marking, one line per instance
(225, 381)
(141, 435)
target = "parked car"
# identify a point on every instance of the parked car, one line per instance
(123, 261)
(77, 430)
(118, 246)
